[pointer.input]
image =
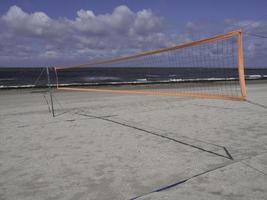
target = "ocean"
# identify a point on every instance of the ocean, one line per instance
(36, 77)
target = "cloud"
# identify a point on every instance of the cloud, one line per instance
(146, 21)
(255, 48)
(36, 39)
(23, 23)
(80, 39)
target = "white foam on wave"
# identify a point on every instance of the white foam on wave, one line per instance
(100, 78)
(137, 81)
(256, 76)
(7, 79)
(17, 86)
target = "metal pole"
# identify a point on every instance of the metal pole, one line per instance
(50, 91)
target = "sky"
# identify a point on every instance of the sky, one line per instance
(62, 32)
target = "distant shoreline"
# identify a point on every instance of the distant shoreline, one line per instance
(135, 83)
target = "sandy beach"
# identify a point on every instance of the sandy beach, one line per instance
(104, 146)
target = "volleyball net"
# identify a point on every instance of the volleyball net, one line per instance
(208, 68)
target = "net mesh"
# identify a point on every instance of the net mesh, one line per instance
(206, 68)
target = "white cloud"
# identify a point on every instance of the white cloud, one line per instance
(145, 22)
(82, 38)
(121, 18)
(50, 54)
(37, 39)
(24, 23)
(255, 48)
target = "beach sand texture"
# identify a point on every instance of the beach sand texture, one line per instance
(119, 146)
